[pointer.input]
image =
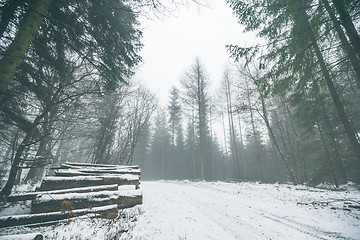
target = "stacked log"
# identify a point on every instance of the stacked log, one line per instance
(33, 195)
(108, 212)
(56, 182)
(52, 202)
(78, 189)
(28, 236)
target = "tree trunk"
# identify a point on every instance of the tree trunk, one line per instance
(7, 15)
(346, 21)
(299, 147)
(256, 140)
(33, 195)
(226, 148)
(273, 139)
(243, 159)
(109, 212)
(15, 164)
(15, 53)
(339, 105)
(283, 141)
(52, 202)
(348, 49)
(328, 157)
(57, 183)
(234, 152)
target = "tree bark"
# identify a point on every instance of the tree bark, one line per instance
(15, 53)
(56, 183)
(52, 203)
(256, 140)
(339, 105)
(17, 159)
(348, 25)
(33, 195)
(234, 152)
(109, 212)
(348, 49)
(273, 139)
(7, 14)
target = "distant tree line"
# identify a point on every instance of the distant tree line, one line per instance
(289, 106)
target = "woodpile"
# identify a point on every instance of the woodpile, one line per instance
(78, 189)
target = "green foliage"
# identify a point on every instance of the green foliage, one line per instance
(296, 34)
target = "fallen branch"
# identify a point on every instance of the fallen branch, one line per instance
(325, 203)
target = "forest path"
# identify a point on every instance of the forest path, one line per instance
(185, 210)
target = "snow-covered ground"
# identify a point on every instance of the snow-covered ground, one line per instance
(175, 210)
(219, 210)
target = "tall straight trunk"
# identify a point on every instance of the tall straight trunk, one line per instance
(348, 49)
(162, 160)
(256, 140)
(193, 146)
(15, 53)
(202, 123)
(234, 151)
(348, 24)
(243, 159)
(339, 105)
(225, 142)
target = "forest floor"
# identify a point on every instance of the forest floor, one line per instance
(175, 210)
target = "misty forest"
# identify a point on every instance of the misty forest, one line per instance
(285, 111)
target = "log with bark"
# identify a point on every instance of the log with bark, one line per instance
(95, 172)
(27, 236)
(68, 201)
(108, 212)
(33, 195)
(68, 164)
(57, 183)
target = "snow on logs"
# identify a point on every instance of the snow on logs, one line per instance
(53, 202)
(109, 212)
(91, 172)
(33, 195)
(56, 183)
(28, 236)
(71, 169)
(79, 189)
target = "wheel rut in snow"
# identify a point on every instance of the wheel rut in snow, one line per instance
(181, 210)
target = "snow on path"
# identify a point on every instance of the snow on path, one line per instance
(218, 210)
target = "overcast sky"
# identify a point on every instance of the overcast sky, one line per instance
(172, 43)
